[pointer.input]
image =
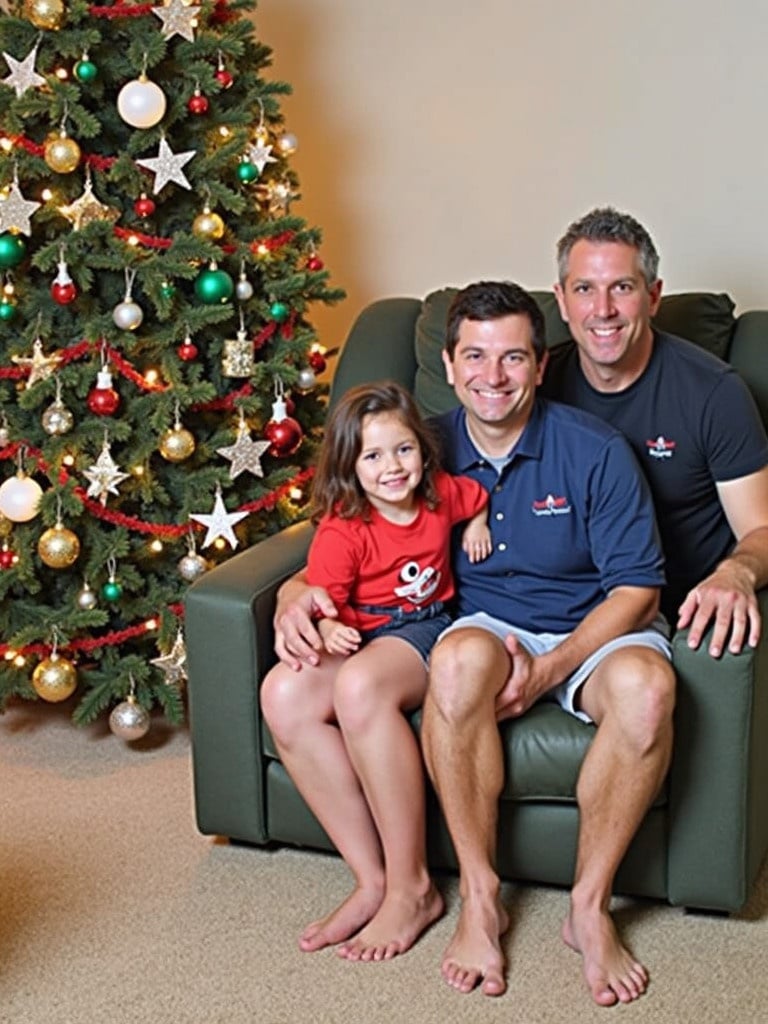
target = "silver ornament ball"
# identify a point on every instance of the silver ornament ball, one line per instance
(57, 419)
(127, 315)
(86, 599)
(191, 566)
(129, 720)
(307, 379)
(243, 289)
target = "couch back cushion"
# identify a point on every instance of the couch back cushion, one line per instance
(703, 317)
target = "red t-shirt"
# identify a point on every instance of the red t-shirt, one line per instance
(384, 563)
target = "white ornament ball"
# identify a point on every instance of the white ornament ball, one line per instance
(86, 599)
(20, 499)
(141, 103)
(243, 289)
(128, 315)
(287, 143)
(129, 720)
(307, 379)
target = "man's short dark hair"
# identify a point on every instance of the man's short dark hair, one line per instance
(492, 300)
(604, 224)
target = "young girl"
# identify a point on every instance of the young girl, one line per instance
(382, 550)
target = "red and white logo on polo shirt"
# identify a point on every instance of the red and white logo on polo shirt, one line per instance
(661, 448)
(551, 506)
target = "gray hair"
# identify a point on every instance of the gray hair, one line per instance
(605, 224)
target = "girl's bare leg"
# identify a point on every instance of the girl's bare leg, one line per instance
(298, 707)
(373, 692)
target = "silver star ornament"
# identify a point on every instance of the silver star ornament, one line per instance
(245, 454)
(15, 211)
(178, 18)
(167, 166)
(104, 476)
(220, 522)
(259, 155)
(174, 663)
(23, 75)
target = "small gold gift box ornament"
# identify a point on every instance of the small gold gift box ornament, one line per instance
(237, 357)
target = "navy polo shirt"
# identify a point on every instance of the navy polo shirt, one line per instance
(571, 518)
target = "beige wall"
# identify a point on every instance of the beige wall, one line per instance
(441, 141)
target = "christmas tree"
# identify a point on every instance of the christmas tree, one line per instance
(159, 406)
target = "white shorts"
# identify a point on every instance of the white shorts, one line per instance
(655, 637)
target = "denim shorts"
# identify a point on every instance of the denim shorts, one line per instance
(419, 628)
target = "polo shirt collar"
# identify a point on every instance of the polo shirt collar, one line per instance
(529, 445)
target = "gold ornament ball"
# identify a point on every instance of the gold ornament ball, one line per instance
(48, 14)
(177, 444)
(208, 225)
(61, 153)
(58, 547)
(54, 679)
(6, 526)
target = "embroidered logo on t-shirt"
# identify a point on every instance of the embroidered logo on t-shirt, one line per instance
(661, 448)
(419, 583)
(551, 506)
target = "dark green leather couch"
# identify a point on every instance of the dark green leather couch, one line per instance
(700, 845)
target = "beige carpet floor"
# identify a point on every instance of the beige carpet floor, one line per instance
(113, 908)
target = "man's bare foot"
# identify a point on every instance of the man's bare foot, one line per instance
(474, 955)
(611, 972)
(399, 921)
(348, 918)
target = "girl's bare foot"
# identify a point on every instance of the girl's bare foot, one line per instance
(611, 972)
(399, 921)
(348, 918)
(474, 956)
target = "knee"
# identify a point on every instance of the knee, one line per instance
(358, 696)
(645, 694)
(461, 674)
(281, 702)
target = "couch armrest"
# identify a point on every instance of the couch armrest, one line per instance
(719, 774)
(229, 640)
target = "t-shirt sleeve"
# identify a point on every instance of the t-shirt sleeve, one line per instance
(624, 537)
(464, 497)
(733, 435)
(333, 563)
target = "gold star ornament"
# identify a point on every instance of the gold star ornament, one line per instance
(87, 209)
(245, 454)
(174, 663)
(40, 366)
(178, 18)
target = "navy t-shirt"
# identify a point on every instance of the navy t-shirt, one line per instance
(692, 422)
(570, 514)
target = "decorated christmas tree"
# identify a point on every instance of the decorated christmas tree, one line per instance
(159, 405)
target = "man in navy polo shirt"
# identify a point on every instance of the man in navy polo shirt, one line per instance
(565, 609)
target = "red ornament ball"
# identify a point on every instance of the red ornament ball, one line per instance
(144, 206)
(315, 263)
(198, 104)
(187, 351)
(224, 78)
(64, 293)
(284, 436)
(317, 361)
(103, 401)
(7, 558)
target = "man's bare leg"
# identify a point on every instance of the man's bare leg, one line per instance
(462, 748)
(373, 693)
(630, 695)
(298, 707)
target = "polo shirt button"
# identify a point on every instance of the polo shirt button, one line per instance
(499, 515)
(497, 488)
(502, 546)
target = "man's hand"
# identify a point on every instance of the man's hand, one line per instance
(297, 641)
(727, 598)
(525, 683)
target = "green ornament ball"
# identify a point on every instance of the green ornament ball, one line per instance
(112, 591)
(214, 287)
(7, 310)
(86, 71)
(247, 172)
(278, 311)
(167, 289)
(13, 249)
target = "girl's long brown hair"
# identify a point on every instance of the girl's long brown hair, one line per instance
(335, 488)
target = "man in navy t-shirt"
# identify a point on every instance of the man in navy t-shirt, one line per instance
(689, 417)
